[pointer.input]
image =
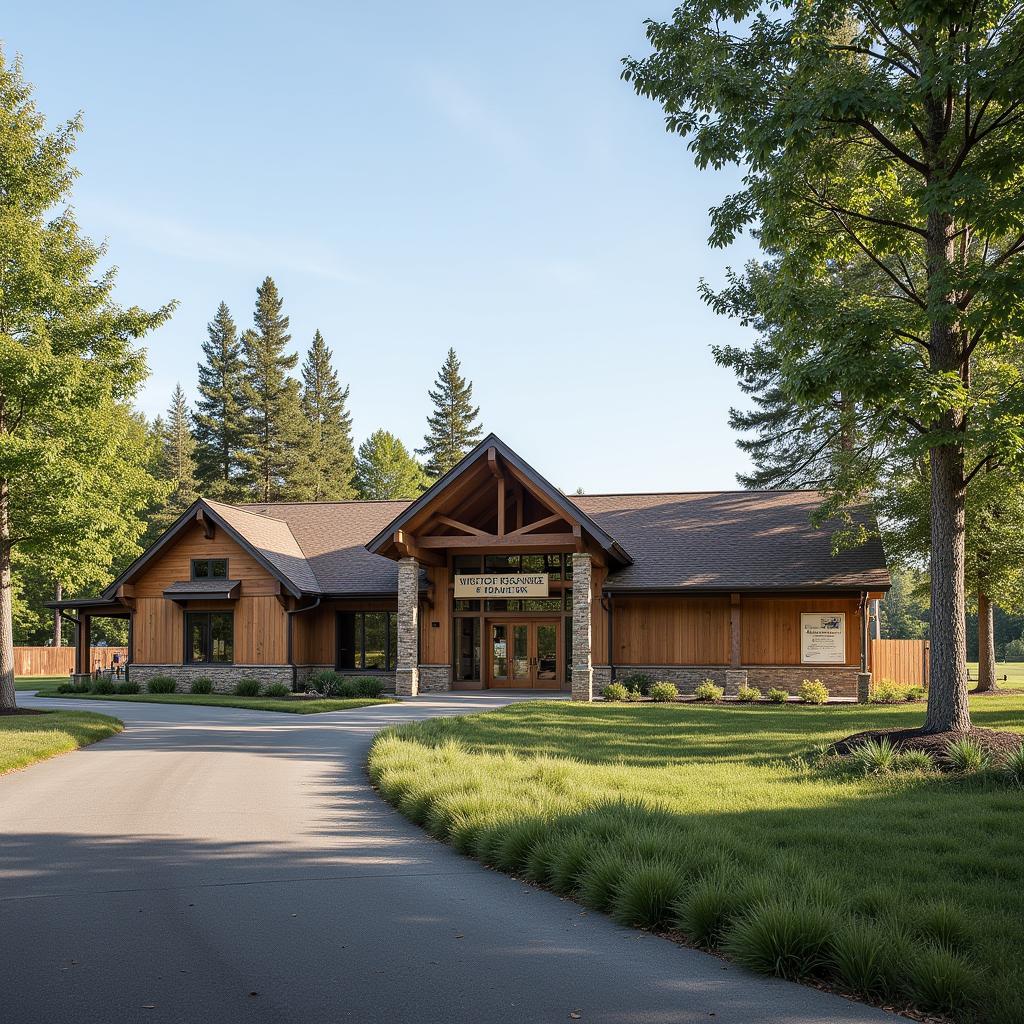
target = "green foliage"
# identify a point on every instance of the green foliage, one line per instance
(778, 696)
(276, 429)
(615, 691)
(277, 690)
(601, 876)
(862, 959)
(325, 682)
(1013, 767)
(174, 464)
(787, 938)
(912, 694)
(102, 684)
(647, 892)
(26, 739)
(247, 688)
(887, 692)
(663, 692)
(708, 690)
(367, 686)
(875, 757)
(220, 424)
(913, 761)
(813, 691)
(201, 685)
(942, 981)
(453, 427)
(327, 467)
(748, 694)
(904, 611)
(126, 687)
(639, 681)
(965, 755)
(385, 471)
(73, 456)
(161, 684)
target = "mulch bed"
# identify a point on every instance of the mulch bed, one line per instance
(994, 743)
(999, 691)
(21, 711)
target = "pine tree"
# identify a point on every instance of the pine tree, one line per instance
(328, 461)
(220, 425)
(452, 428)
(175, 461)
(385, 469)
(274, 414)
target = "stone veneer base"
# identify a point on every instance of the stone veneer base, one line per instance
(223, 677)
(840, 680)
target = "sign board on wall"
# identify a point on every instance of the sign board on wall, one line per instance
(823, 638)
(511, 585)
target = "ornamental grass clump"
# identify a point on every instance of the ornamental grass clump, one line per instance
(865, 958)
(748, 694)
(965, 756)
(813, 691)
(1012, 767)
(277, 690)
(647, 893)
(662, 693)
(709, 691)
(161, 684)
(942, 981)
(639, 681)
(247, 688)
(913, 761)
(875, 757)
(127, 687)
(783, 937)
(104, 685)
(202, 685)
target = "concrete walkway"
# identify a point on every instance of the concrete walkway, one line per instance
(223, 865)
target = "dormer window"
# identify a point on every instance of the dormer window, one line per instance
(209, 568)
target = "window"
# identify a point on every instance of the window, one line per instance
(467, 649)
(209, 568)
(210, 637)
(367, 641)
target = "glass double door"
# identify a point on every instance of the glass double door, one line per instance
(523, 655)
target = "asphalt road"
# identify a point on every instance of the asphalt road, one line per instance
(223, 865)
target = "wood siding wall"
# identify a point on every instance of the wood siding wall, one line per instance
(669, 631)
(902, 661)
(771, 627)
(60, 661)
(313, 636)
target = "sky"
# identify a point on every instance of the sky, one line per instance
(413, 176)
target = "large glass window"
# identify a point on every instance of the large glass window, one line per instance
(209, 568)
(467, 650)
(367, 641)
(210, 637)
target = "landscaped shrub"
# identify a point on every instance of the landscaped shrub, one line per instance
(777, 696)
(875, 757)
(633, 696)
(126, 687)
(708, 690)
(161, 684)
(887, 692)
(615, 691)
(202, 685)
(368, 686)
(277, 690)
(601, 876)
(639, 681)
(965, 755)
(941, 981)
(569, 861)
(662, 692)
(787, 939)
(324, 682)
(915, 693)
(813, 691)
(914, 761)
(865, 958)
(747, 694)
(1013, 767)
(943, 924)
(65, 688)
(247, 688)
(104, 685)
(647, 893)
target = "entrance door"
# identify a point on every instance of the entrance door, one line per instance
(523, 655)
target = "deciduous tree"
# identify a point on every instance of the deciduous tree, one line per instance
(385, 470)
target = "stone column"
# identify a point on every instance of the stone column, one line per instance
(582, 664)
(407, 674)
(863, 687)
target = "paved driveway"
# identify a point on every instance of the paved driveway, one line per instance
(223, 865)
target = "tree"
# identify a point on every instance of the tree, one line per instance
(220, 425)
(883, 135)
(175, 462)
(328, 461)
(73, 480)
(904, 612)
(453, 427)
(385, 470)
(275, 424)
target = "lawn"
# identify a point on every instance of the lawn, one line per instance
(293, 705)
(38, 682)
(25, 739)
(1013, 670)
(904, 890)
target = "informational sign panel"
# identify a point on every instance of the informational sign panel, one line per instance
(823, 638)
(511, 585)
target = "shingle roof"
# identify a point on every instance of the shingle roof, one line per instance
(332, 536)
(732, 540)
(203, 588)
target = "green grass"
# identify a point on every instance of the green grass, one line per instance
(902, 889)
(38, 682)
(292, 705)
(1013, 670)
(25, 739)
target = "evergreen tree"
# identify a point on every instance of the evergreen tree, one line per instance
(452, 428)
(175, 461)
(219, 420)
(328, 461)
(385, 469)
(73, 481)
(275, 423)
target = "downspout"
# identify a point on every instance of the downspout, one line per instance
(291, 660)
(608, 605)
(864, 631)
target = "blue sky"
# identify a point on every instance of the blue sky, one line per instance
(413, 176)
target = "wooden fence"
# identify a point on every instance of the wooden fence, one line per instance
(901, 661)
(60, 661)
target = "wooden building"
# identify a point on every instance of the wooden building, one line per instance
(493, 578)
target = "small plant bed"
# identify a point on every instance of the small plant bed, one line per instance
(30, 736)
(901, 888)
(996, 744)
(296, 703)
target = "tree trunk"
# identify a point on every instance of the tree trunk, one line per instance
(986, 644)
(7, 697)
(58, 639)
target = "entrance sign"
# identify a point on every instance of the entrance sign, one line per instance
(511, 585)
(823, 638)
